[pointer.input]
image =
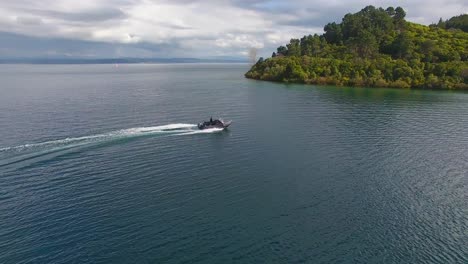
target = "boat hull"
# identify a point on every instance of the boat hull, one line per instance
(222, 125)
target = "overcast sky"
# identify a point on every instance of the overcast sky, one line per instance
(179, 28)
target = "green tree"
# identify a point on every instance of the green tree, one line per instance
(282, 50)
(399, 17)
(402, 46)
(364, 44)
(390, 11)
(294, 47)
(333, 33)
(459, 22)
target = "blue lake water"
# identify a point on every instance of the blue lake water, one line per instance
(104, 164)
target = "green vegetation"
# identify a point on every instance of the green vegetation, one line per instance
(376, 48)
(460, 22)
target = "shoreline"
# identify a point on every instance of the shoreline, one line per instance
(362, 86)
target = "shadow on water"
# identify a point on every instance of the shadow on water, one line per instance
(388, 94)
(369, 94)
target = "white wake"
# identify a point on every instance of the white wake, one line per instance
(174, 129)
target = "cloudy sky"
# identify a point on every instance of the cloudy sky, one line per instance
(178, 28)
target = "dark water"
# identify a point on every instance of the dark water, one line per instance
(101, 164)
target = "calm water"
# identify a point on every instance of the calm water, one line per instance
(102, 164)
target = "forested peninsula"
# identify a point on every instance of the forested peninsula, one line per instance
(374, 47)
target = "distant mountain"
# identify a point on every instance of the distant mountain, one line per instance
(118, 60)
(17, 48)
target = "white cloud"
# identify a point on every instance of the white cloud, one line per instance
(196, 27)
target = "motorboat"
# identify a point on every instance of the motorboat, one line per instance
(214, 123)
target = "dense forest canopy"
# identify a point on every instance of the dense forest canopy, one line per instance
(456, 22)
(374, 47)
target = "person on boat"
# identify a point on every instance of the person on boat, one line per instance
(211, 120)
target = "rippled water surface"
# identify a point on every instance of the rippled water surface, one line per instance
(104, 164)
